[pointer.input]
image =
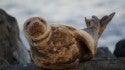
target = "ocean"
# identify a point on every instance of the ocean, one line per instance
(72, 13)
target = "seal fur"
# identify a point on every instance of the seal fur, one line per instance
(61, 46)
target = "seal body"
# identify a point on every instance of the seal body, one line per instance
(60, 46)
(55, 46)
(58, 50)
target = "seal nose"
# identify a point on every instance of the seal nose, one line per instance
(36, 24)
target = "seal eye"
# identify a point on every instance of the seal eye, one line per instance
(27, 23)
(43, 21)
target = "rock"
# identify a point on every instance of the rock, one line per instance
(103, 64)
(120, 49)
(29, 66)
(3, 63)
(11, 48)
(103, 53)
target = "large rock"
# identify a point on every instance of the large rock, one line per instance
(11, 48)
(120, 49)
(3, 63)
(103, 53)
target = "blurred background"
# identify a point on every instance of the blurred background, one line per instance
(71, 12)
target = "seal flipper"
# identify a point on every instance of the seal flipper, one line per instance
(96, 26)
(89, 36)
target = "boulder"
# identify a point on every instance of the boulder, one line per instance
(120, 49)
(103, 53)
(12, 49)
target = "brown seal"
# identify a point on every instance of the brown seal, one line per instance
(60, 46)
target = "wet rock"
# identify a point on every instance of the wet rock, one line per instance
(120, 49)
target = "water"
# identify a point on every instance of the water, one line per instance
(71, 12)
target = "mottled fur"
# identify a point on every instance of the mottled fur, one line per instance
(60, 46)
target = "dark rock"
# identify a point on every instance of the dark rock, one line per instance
(103, 53)
(3, 63)
(29, 66)
(102, 64)
(120, 49)
(6, 46)
(105, 64)
(11, 48)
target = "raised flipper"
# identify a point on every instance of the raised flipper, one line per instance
(90, 35)
(98, 25)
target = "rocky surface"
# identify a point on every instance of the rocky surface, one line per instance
(104, 64)
(29, 66)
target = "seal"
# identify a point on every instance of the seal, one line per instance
(60, 46)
